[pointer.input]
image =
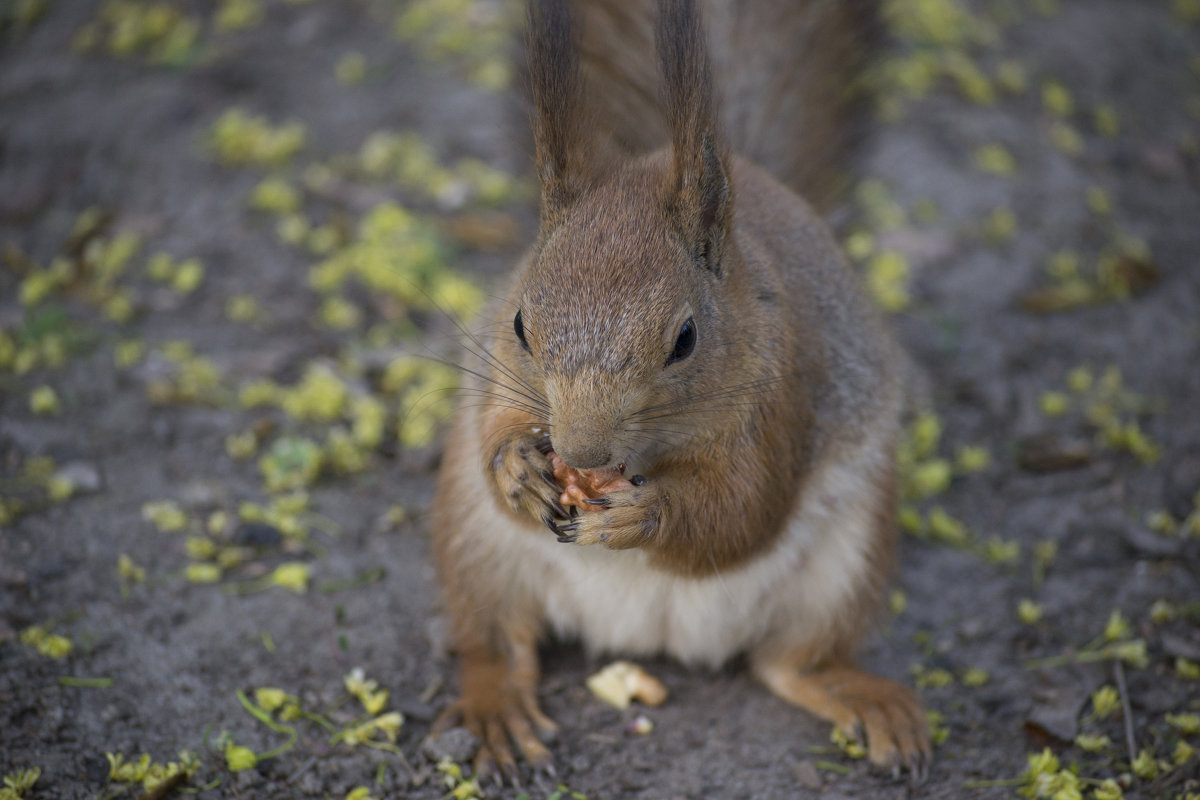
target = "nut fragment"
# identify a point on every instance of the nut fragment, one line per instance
(622, 682)
(580, 485)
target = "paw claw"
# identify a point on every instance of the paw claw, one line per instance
(511, 775)
(485, 769)
(919, 767)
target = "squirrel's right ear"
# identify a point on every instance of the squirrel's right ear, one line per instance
(699, 191)
(563, 165)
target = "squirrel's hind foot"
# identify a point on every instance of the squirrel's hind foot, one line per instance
(499, 707)
(500, 723)
(858, 703)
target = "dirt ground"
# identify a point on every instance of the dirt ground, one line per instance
(1051, 131)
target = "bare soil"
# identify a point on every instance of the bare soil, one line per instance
(128, 136)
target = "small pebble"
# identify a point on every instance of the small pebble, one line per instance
(456, 744)
(83, 475)
(257, 534)
(640, 725)
(806, 774)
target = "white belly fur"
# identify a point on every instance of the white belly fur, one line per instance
(614, 602)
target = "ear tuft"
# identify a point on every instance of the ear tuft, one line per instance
(559, 123)
(699, 194)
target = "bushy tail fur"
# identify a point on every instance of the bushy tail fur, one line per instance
(786, 73)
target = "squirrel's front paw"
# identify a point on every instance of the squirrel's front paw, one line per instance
(522, 475)
(620, 519)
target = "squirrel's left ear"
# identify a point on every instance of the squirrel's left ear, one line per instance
(698, 195)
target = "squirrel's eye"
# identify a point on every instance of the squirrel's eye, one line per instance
(684, 343)
(519, 328)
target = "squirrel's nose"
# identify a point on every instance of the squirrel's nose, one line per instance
(581, 455)
(585, 417)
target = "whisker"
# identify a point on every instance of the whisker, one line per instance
(472, 391)
(717, 572)
(503, 429)
(708, 408)
(537, 401)
(488, 358)
(641, 436)
(505, 401)
(497, 405)
(672, 433)
(700, 407)
(666, 439)
(748, 389)
(482, 353)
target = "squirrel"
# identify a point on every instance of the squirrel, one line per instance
(684, 315)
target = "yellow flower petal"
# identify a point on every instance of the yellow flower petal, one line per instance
(239, 758)
(292, 575)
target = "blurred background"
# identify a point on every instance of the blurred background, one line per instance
(238, 239)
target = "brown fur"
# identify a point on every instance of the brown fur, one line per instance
(770, 441)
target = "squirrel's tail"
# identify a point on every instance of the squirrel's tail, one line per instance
(786, 71)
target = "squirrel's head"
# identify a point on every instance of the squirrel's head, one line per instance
(619, 323)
